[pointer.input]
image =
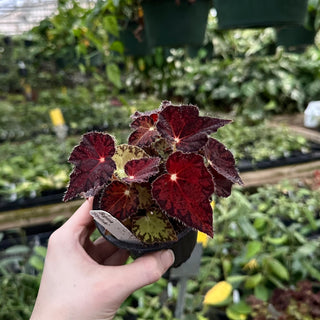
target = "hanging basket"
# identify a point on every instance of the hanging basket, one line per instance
(174, 23)
(295, 38)
(233, 14)
(134, 40)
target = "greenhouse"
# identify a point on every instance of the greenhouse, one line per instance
(160, 159)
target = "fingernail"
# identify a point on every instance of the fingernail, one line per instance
(167, 257)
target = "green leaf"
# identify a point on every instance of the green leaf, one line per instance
(36, 262)
(261, 292)
(247, 228)
(277, 241)
(153, 228)
(259, 223)
(299, 237)
(275, 281)
(308, 249)
(159, 59)
(238, 311)
(17, 250)
(111, 25)
(233, 315)
(253, 281)
(240, 308)
(113, 73)
(117, 46)
(253, 247)
(310, 216)
(226, 266)
(278, 269)
(40, 251)
(312, 271)
(5, 262)
(236, 280)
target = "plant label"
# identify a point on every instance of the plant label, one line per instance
(114, 226)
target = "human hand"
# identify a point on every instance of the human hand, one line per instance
(89, 281)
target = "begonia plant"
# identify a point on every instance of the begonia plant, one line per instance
(165, 176)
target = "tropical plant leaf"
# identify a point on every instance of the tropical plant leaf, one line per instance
(119, 199)
(222, 185)
(154, 227)
(278, 269)
(184, 191)
(140, 170)
(123, 154)
(93, 164)
(183, 127)
(145, 197)
(222, 160)
(145, 131)
(153, 114)
(114, 74)
(162, 148)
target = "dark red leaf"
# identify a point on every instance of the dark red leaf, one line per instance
(125, 153)
(145, 132)
(183, 127)
(140, 170)
(93, 164)
(120, 199)
(222, 160)
(222, 185)
(184, 191)
(152, 114)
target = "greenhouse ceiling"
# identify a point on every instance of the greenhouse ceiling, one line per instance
(18, 16)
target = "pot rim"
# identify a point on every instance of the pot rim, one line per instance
(143, 247)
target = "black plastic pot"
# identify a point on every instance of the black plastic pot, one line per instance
(182, 248)
(135, 45)
(295, 38)
(173, 24)
(260, 13)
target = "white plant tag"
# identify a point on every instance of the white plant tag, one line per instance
(114, 226)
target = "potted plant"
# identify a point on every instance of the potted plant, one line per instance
(296, 38)
(160, 184)
(176, 23)
(134, 38)
(132, 33)
(259, 13)
(301, 301)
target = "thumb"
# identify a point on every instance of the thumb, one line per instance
(146, 269)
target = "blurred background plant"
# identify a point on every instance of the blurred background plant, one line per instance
(78, 60)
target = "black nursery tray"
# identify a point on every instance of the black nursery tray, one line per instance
(296, 157)
(48, 197)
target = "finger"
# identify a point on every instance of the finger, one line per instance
(118, 258)
(145, 270)
(82, 219)
(100, 250)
